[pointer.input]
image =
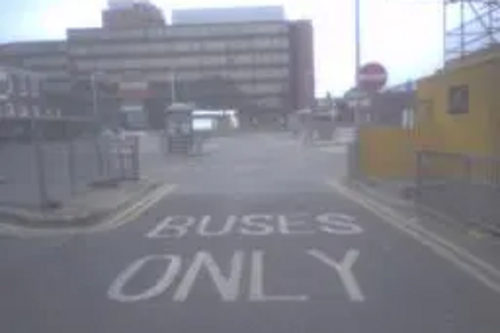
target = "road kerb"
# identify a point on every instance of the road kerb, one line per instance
(119, 218)
(466, 261)
(137, 209)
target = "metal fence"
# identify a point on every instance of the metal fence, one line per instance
(41, 173)
(465, 188)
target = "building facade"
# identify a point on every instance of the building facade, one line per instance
(270, 64)
(27, 108)
(46, 58)
(227, 15)
(265, 69)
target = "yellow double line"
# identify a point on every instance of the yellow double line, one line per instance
(484, 272)
(135, 210)
(120, 218)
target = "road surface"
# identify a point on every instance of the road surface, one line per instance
(255, 237)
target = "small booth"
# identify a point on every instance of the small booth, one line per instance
(179, 128)
(181, 134)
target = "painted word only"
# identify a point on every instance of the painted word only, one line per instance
(227, 284)
(255, 225)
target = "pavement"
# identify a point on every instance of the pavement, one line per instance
(261, 235)
(88, 204)
(85, 209)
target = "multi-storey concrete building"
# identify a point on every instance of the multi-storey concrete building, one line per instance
(48, 58)
(227, 15)
(126, 14)
(263, 68)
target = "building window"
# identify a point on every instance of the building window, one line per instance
(9, 110)
(23, 111)
(22, 84)
(408, 119)
(36, 111)
(33, 86)
(458, 99)
(5, 84)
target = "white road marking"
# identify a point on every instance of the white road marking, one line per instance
(228, 288)
(291, 225)
(344, 270)
(116, 291)
(339, 224)
(162, 229)
(461, 258)
(260, 223)
(255, 225)
(226, 229)
(414, 223)
(257, 293)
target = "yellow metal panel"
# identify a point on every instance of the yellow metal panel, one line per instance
(387, 152)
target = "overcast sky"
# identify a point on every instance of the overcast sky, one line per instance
(404, 35)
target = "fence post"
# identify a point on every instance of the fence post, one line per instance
(99, 156)
(71, 161)
(39, 163)
(469, 188)
(418, 171)
(135, 158)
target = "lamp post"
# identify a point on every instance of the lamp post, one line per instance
(98, 121)
(357, 52)
(97, 114)
(173, 88)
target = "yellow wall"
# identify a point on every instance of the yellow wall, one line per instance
(386, 152)
(472, 133)
(390, 152)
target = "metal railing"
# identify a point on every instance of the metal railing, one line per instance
(463, 187)
(47, 173)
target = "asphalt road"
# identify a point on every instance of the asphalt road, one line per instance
(253, 239)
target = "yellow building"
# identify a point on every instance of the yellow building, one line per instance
(458, 107)
(457, 113)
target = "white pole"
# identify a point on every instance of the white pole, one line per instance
(357, 45)
(357, 20)
(173, 88)
(100, 162)
(94, 97)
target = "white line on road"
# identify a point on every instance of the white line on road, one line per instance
(257, 293)
(228, 287)
(344, 269)
(467, 262)
(116, 291)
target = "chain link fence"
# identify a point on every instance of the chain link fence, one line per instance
(465, 188)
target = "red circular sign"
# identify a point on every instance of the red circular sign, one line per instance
(372, 77)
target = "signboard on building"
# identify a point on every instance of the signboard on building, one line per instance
(356, 98)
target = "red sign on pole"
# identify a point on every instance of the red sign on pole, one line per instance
(372, 77)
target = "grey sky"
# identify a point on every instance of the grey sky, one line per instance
(405, 35)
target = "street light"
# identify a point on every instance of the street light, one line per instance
(357, 52)
(173, 88)
(98, 120)
(97, 114)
